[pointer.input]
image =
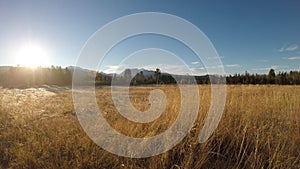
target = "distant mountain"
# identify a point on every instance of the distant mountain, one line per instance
(146, 73)
(72, 68)
(134, 71)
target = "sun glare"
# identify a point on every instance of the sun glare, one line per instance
(31, 55)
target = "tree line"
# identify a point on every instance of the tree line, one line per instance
(22, 77)
(27, 77)
(282, 78)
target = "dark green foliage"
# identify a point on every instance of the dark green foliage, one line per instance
(282, 78)
(271, 76)
(102, 79)
(157, 75)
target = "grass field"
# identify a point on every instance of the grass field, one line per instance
(260, 128)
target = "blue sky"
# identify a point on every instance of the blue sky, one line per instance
(248, 35)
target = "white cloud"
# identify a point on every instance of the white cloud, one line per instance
(294, 58)
(222, 66)
(276, 67)
(260, 68)
(292, 47)
(198, 68)
(233, 65)
(281, 49)
(289, 48)
(194, 63)
(114, 69)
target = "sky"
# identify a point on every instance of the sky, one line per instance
(251, 36)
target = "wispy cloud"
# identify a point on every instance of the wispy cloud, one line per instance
(260, 68)
(276, 67)
(281, 49)
(289, 48)
(292, 47)
(194, 63)
(198, 69)
(223, 66)
(233, 65)
(294, 58)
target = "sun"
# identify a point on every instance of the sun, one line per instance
(31, 55)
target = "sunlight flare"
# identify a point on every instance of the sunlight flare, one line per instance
(31, 55)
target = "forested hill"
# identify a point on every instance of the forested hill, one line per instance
(22, 77)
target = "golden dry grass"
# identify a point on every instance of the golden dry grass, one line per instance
(260, 128)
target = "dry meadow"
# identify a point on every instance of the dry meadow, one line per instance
(260, 128)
